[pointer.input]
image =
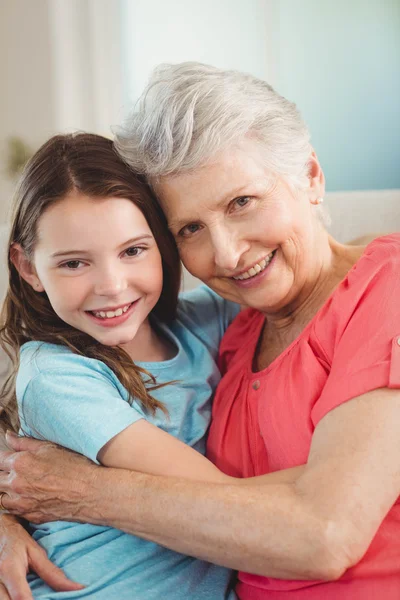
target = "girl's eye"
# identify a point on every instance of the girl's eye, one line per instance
(134, 251)
(189, 230)
(72, 265)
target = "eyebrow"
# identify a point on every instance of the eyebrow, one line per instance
(235, 193)
(134, 240)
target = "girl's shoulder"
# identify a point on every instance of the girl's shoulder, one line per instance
(38, 358)
(205, 314)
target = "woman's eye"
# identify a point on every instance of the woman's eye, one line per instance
(189, 229)
(134, 251)
(242, 201)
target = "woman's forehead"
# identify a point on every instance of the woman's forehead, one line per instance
(232, 173)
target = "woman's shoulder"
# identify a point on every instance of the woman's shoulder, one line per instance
(379, 262)
(367, 296)
(384, 247)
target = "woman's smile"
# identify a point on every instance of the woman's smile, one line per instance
(253, 276)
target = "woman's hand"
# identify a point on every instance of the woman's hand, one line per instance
(43, 482)
(19, 554)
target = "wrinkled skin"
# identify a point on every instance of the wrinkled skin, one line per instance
(19, 554)
(34, 478)
(44, 482)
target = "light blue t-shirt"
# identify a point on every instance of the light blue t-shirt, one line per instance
(79, 403)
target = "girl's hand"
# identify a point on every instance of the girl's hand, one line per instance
(43, 482)
(20, 554)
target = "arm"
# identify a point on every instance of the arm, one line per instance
(316, 527)
(146, 448)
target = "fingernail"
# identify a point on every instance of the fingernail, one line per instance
(11, 434)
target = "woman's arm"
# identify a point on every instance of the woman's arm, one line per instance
(316, 527)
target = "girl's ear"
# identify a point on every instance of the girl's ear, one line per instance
(25, 267)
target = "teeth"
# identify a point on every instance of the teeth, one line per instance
(257, 268)
(111, 313)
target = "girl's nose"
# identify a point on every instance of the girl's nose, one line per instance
(110, 284)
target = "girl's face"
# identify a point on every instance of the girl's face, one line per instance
(99, 264)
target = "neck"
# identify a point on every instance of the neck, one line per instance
(148, 345)
(333, 265)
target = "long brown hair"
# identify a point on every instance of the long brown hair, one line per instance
(88, 164)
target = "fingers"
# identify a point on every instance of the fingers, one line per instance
(17, 443)
(5, 460)
(52, 575)
(15, 585)
(3, 593)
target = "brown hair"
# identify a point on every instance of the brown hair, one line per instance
(88, 164)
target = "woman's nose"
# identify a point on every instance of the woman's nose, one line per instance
(227, 251)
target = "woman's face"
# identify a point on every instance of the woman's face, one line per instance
(247, 233)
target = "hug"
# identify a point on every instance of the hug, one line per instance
(237, 441)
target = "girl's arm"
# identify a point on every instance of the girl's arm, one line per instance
(146, 448)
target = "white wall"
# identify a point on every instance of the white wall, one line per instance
(227, 33)
(26, 99)
(60, 70)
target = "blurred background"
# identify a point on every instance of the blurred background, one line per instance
(81, 64)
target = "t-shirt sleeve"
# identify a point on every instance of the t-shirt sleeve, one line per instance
(366, 347)
(79, 408)
(207, 314)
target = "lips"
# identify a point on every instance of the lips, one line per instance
(111, 313)
(122, 314)
(256, 268)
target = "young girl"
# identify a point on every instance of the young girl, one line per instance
(92, 308)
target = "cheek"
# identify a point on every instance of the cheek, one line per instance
(65, 296)
(196, 259)
(63, 292)
(152, 275)
(274, 225)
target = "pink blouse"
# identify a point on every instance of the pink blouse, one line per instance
(264, 421)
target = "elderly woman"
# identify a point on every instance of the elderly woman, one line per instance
(311, 369)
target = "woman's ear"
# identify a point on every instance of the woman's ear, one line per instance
(24, 267)
(316, 178)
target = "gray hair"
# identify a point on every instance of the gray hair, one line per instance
(190, 111)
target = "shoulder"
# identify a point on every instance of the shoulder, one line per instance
(200, 298)
(205, 314)
(381, 256)
(41, 360)
(367, 300)
(377, 269)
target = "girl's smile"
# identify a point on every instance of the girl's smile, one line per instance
(111, 317)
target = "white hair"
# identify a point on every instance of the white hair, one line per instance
(189, 112)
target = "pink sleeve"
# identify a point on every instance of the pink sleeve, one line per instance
(365, 338)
